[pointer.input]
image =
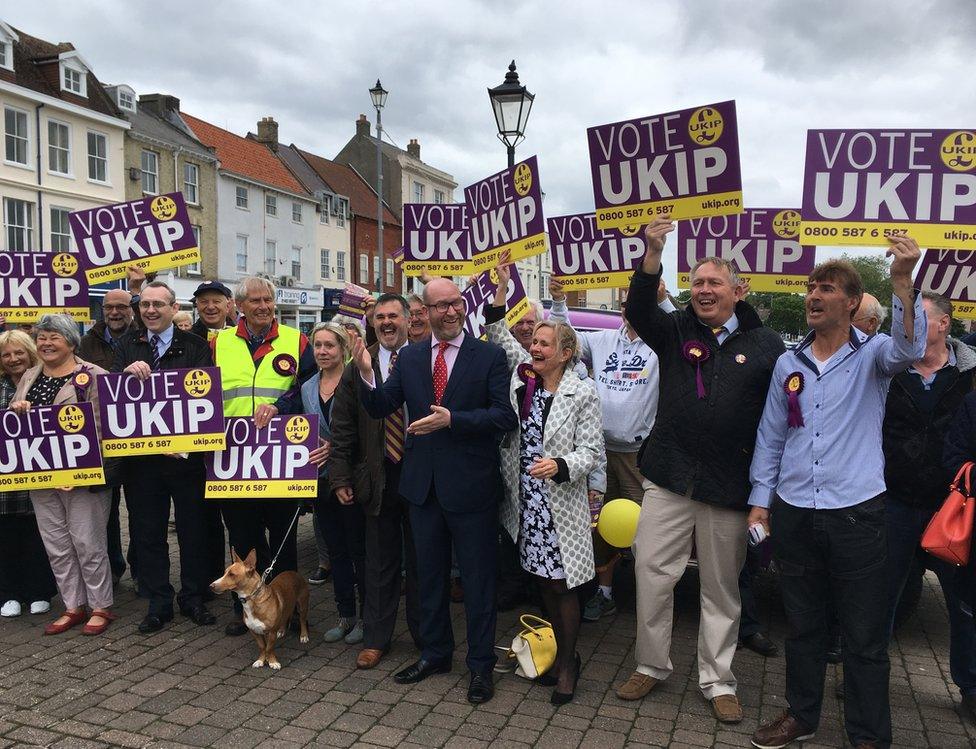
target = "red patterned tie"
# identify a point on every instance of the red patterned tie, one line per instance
(440, 372)
(394, 426)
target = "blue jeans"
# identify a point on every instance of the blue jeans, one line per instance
(905, 527)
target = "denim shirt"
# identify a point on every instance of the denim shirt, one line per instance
(834, 460)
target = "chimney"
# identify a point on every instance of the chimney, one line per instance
(268, 132)
(413, 148)
(159, 104)
(363, 126)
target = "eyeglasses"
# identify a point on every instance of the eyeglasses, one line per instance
(442, 307)
(154, 305)
(417, 313)
(115, 307)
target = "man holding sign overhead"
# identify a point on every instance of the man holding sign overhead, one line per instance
(715, 360)
(152, 480)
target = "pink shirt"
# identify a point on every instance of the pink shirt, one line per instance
(450, 353)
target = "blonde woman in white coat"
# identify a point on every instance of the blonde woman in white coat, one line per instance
(544, 467)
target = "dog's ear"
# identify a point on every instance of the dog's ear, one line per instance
(252, 559)
(233, 555)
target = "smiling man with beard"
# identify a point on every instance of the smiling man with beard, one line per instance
(715, 360)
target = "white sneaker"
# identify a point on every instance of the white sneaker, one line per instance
(40, 607)
(10, 609)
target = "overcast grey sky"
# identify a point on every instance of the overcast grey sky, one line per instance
(789, 65)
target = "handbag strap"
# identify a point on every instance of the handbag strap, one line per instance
(964, 473)
(526, 620)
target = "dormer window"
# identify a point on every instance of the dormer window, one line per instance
(74, 74)
(127, 101)
(7, 38)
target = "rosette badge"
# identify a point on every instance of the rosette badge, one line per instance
(285, 365)
(531, 379)
(81, 381)
(697, 352)
(793, 385)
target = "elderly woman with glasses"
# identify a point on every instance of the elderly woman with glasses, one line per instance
(25, 573)
(72, 522)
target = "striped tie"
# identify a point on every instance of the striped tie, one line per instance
(154, 352)
(394, 426)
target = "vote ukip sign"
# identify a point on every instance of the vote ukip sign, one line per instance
(435, 238)
(505, 214)
(683, 163)
(482, 292)
(951, 273)
(265, 463)
(172, 411)
(762, 243)
(40, 283)
(861, 186)
(49, 447)
(152, 233)
(585, 256)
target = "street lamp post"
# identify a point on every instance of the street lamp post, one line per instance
(511, 102)
(378, 95)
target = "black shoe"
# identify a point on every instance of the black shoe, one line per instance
(561, 698)
(835, 653)
(481, 689)
(319, 576)
(199, 614)
(759, 643)
(548, 679)
(154, 622)
(421, 670)
(235, 629)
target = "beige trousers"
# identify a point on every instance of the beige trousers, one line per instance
(668, 524)
(73, 528)
(624, 477)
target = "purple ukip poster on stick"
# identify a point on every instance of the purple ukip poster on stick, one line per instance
(49, 447)
(684, 164)
(762, 243)
(862, 186)
(152, 233)
(41, 283)
(172, 411)
(435, 239)
(585, 256)
(269, 463)
(951, 273)
(505, 214)
(482, 292)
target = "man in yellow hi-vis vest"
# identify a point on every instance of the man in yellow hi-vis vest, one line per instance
(262, 364)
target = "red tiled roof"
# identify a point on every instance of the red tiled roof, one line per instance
(347, 181)
(244, 156)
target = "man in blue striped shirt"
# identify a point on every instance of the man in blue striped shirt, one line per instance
(818, 478)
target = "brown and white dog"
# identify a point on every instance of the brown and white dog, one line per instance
(267, 607)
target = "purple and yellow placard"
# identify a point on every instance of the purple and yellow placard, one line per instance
(505, 215)
(482, 292)
(685, 164)
(585, 256)
(49, 447)
(951, 273)
(152, 233)
(172, 411)
(435, 239)
(762, 243)
(861, 186)
(33, 284)
(269, 463)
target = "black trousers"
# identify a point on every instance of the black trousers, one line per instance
(25, 573)
(151, 483)
(344, 530)
(116, 558)
(389, 550)
(475, 539)
(839, 556)
(261, 525)
(749, 623)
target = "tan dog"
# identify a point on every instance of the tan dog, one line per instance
(267, 607)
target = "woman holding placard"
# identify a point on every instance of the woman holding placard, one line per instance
(25, 573)
(72, 522)
(545, 466)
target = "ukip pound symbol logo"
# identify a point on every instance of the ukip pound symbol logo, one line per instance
(959, 151)
(197, 383)
(705, 126)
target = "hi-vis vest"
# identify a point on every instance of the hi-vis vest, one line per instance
(245, 386)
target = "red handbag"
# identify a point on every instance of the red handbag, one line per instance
(949, 534)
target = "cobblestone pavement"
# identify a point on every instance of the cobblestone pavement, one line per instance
(192, 686)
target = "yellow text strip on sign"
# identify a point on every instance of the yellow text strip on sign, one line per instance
(52, 479)
(519, 249)
(33, 314)
(148, 264)
(875, 233)
(696, 206)
(185, 443)
(437, 267)
(270, 489)
(761, 282)
(612, 280)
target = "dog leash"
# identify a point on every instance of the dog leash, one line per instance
(270, 567)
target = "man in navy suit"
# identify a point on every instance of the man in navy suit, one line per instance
(455, 389)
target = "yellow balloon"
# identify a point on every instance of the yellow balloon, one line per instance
(618, 522)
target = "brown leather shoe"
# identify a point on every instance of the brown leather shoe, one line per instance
(781, 732)
(636, 687)
(368, 658)
(727, 708)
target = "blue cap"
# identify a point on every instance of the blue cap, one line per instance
(212, 286)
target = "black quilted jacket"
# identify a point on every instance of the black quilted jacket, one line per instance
(702, 447)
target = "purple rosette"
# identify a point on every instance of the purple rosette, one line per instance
(793, 386)
(697, 352)
(530, 378)
(285, 364)
(81, 381)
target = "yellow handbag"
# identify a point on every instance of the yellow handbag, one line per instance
(534, 648)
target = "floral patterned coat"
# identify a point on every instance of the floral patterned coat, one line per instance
(574, 432)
